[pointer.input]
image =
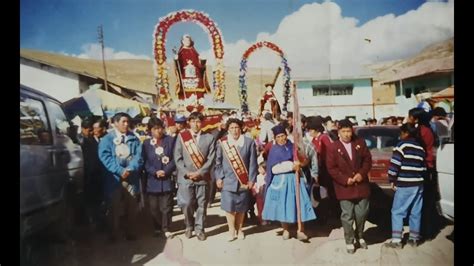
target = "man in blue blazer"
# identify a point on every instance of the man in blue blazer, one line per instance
(120, 151)
(159, 166)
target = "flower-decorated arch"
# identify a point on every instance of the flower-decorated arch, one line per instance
(243, 73)
(159, 49)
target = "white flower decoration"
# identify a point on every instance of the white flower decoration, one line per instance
(165, 160)
(117, 141)
(159, 150)
(153, 142)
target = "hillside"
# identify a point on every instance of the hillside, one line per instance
(440, 50)
(138, 75)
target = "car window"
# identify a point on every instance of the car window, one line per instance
(34, 127)
(379, 138)
(62, 127)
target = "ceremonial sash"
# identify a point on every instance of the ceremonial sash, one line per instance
(235, 160)
(191, 147)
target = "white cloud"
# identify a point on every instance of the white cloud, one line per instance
(318, 40)
(94, 51)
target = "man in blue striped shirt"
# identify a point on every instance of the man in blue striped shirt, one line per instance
(406, 177)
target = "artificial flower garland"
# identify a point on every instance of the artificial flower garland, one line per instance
(159, 38)
(243, 71)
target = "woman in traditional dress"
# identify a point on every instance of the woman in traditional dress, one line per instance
(280, 198)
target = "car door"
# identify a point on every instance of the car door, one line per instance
(68, 155)
(38, 172)
(445, 167)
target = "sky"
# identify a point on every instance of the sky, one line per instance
(318, 37)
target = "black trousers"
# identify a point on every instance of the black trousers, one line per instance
(161, 208)
(122, 200)
(430, 218)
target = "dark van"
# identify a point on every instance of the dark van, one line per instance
(51, 164)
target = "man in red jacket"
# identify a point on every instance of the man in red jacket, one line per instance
(349, 162)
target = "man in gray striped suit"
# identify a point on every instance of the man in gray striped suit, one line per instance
(194, 155)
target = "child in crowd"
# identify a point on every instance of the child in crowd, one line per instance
(406, 177)
(258, 190)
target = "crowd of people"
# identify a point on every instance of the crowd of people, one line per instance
(254, 165)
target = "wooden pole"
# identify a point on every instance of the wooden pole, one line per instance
(298, 204)
(296, 138)
(101, 40)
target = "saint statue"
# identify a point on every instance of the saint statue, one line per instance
(191, 71)
(269, 101)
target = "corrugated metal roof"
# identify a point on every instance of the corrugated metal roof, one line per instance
(322, 78)
(447, 93)
(424, 67)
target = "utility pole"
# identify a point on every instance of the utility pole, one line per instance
(101, 40)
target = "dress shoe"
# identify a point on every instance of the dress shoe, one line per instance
(232, 236)
(188, 233)
(413, 242)
(350, 248)
(363, 244)
(286, 235)
(301, 236)
(396, 245)
(241, 235)
(201, 236)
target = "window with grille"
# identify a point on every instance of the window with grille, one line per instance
(333, 90)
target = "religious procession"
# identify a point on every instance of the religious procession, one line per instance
(234, 172)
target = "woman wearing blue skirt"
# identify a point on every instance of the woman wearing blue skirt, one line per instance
(280, 197)
(235, 172)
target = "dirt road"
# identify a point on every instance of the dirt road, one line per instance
(262, 246)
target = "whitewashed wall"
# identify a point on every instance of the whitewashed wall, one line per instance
(58, 83)
(359, 104)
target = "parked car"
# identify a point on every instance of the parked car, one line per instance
(51, 165)
(380, 140)
(445, 167)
